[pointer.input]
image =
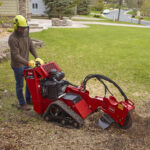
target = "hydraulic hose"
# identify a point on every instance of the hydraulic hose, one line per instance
(100, 78)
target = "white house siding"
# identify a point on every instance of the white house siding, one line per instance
(37, 7)
(9, 7)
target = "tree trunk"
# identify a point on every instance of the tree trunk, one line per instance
(120, 4)
(75, 10)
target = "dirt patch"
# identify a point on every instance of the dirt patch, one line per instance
(27, 130)
(29, 133)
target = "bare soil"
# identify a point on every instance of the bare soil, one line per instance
(27, 134)
(28, 131)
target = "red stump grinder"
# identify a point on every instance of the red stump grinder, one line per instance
(68, 105)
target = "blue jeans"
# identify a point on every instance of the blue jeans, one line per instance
(18, 72)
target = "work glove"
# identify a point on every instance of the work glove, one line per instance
(39, 61)
(31, 63)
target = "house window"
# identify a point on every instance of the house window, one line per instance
(35, 6)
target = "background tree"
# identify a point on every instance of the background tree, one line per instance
(83, 7)
(134, 3)
(120, 5)
(76, 6)
(145, 8)
(60, 8)
(100, 5)
(112, 3)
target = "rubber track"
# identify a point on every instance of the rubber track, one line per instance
(69, 111)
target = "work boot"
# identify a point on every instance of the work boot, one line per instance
(25, 107)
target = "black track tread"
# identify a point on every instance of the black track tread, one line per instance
(69, 111)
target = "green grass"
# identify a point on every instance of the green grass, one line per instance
(130, 12)
(93, 16)
(144, 18)
(147, 18)
(96, 12)
(121, 53)
(136, 17)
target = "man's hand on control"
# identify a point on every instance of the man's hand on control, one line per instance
(40, 61)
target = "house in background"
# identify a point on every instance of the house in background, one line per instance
(37, 8)
(11, 8)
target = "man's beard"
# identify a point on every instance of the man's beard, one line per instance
(23, 34)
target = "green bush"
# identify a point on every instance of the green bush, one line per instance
(97, 15)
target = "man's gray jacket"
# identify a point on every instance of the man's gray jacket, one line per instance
(20, 46)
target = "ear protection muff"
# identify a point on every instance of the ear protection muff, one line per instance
(16, 23)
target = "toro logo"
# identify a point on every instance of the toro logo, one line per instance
(112, 109)
(30, 73)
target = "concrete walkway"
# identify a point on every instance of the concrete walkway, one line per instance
(109, 24)
(86, 18)
(45, 24)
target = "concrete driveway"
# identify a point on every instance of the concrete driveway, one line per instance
(125, 17)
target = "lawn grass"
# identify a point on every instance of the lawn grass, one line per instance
(130, 12)
(144, 18)
(121, 53)
(136, 17)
